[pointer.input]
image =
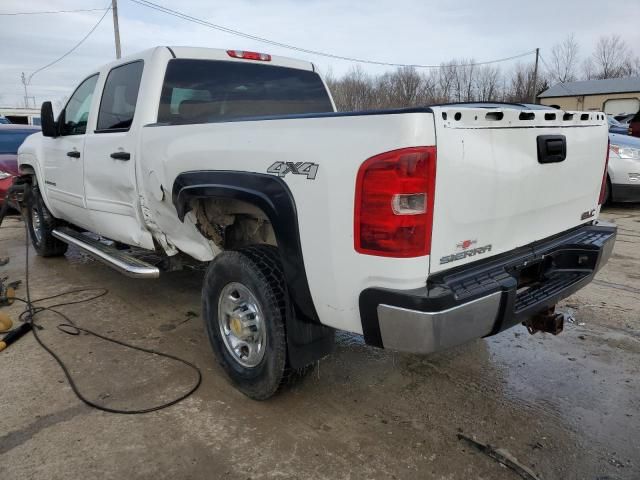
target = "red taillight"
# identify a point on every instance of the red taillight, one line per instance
(603, 186)
(263, 57)
(394, 203)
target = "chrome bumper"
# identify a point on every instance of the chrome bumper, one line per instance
(425, 332)
(488, 297)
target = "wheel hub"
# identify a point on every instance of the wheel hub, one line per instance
(241, 324)
(236, 326)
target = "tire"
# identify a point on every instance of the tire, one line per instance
(41, 223)
(607, 192)
(253, 274)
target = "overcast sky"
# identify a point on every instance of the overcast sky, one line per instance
(403, 31)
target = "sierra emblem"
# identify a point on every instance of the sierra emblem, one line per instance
(464, 250)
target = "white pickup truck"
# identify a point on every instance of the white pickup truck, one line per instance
(421, 228)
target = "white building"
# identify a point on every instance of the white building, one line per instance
(21, 115)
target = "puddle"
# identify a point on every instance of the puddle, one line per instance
(590, 387)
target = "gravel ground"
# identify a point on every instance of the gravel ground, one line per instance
(566, 407)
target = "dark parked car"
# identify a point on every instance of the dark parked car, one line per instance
(624, 118)
(11, 137)
(616, 127)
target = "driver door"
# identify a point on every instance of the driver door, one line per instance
(64, 158)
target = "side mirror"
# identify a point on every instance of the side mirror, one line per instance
(48, 124)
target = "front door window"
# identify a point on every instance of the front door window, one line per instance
(76, 113)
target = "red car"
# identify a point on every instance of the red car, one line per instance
(11, 137)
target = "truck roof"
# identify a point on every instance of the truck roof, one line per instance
(210, 54)
(221, 54)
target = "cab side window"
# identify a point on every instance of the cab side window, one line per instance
(119, 98)
(76, 113)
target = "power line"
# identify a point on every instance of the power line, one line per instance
(54, 11)
(106, 10)
(184, 16)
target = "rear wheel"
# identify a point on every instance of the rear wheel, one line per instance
(245, 305)
(41, 223)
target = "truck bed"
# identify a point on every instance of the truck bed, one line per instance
(488, 185)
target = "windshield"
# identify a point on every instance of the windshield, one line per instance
(10, 140)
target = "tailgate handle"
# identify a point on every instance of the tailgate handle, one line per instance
(552, 148)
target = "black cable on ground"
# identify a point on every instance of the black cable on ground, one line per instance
(70, 328)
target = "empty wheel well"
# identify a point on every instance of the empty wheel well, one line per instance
(232, 224)
(26, 169)
(224, 197)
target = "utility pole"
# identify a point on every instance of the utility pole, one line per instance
(116, 29)
(26, 95)
(25, 83)
(534, 98)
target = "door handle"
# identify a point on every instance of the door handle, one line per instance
(121, 156)
(73, 154)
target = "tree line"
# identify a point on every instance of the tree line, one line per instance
(464, 81)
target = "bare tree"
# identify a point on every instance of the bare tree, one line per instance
(456, 80)
(465, 80)
(446, 81)
(404, 88)
(385, 96)
(487, 83)
(564, 60)
(635, 67)
(522, 87)
(612, 58)
(354, 91)
(519, 89)
(460, 80)
(588, 69)
(430, 91)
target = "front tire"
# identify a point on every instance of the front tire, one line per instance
(41, 223)
(245, 306)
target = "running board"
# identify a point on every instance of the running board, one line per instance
(120, 261)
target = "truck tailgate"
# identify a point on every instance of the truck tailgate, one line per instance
(497, 190)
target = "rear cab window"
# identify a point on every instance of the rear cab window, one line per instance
(119, 98)
(207, 91)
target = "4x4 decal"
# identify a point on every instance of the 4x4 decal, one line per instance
(297, 168)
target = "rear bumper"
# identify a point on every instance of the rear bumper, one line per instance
(486, 297)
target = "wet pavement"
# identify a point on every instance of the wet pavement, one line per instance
(566, 406)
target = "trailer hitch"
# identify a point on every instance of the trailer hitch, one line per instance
(548, 321)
